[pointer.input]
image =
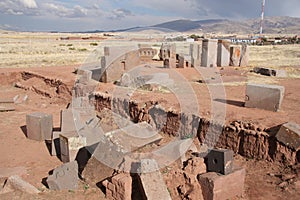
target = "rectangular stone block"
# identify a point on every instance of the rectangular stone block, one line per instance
(70, 143)
(289, 134)
(267, 97)
(209, 53)
(152, 181)
(64, 177)
(196, 53)
(223, 55)
(235, 56)
(39, 126)
(270, 72)
(133, 137)
(18, 183)
(220, 161)
(244, 59)
(222, 187)
(55, 144)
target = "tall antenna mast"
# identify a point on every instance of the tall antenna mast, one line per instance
(262, 16)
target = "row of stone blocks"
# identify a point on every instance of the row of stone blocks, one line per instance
(207, 53)
(218, 179)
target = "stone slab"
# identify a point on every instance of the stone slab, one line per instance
(223, 56)
(39, 126)
(6, 108)
(152, 181)
(55, 144)
(64, 177)
(220, 161)
(267, 97)
(133, 137)
(235, 56)
(70, 144)
(18, 183)
(209, 53)
(289, 134)
(270, 72)
(222, 187)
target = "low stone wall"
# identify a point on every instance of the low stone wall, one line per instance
(246, 139)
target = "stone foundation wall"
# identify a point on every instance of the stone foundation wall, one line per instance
(246, 139)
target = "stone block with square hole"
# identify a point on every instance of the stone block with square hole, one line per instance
(220, 161)
(70, 144)
(39, 126)
(267, 97)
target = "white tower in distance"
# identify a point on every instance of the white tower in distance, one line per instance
(262, 16)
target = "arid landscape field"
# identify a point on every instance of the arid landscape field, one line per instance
(38, 74)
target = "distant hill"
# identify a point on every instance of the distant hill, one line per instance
(272, 25)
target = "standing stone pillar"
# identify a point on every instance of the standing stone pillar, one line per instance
(209, 53)
(223, 54)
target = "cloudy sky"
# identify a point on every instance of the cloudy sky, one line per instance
(83, 15)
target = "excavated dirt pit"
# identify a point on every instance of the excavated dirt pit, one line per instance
(269, 174)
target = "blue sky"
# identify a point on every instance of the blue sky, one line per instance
(82, 15)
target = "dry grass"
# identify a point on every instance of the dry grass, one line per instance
(275, 56)
(39, 49)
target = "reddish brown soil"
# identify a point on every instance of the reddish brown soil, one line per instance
(262, 179)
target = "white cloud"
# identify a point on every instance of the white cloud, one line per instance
(29, 3)
(120, 13)
(62, 11)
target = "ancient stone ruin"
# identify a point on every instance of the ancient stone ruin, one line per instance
(117, 142)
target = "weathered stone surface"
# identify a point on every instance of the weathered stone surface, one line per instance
(289, 134)
(196, 53)
(168, 55)
(18, 183)
(270, 72)
(222, 187)
(223, 54)
(120, 187)
(151, 181)
(70, 143)
(55, 144)
(209, 53)
(268, 97)
(235, 56)
(67, 120)
(244, 59)
(96, 171)
(189, 124)
(64, 177)
(39, 126)
(195, 166)
(220, 161)
(134, 137)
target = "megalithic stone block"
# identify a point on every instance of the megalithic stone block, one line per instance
(70, 143)
(223, 54)
(267, 97)
(289, 134)
(235, 55)
(220, 161)
(152, 181)
(222, 187)
(39, 126)
(55, 144)
(64, 177)
(209, 53)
